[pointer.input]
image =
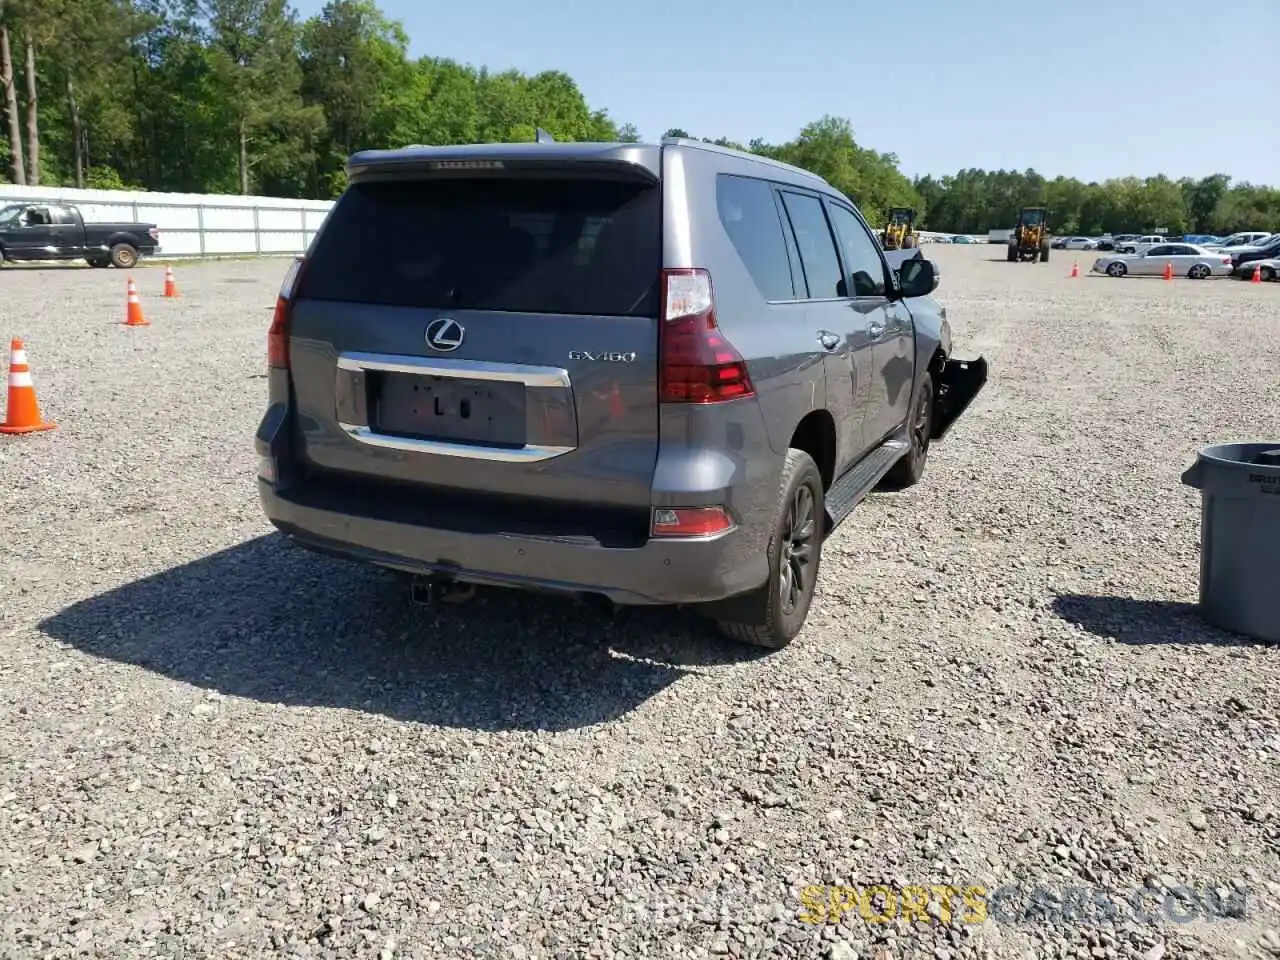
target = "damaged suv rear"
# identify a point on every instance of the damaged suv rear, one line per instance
(654, 373)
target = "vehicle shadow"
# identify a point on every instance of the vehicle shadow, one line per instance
(1144, 622)
(269, 621)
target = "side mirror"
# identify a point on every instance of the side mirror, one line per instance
(917, 278)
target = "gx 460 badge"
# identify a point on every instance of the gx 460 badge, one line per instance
(604, 357)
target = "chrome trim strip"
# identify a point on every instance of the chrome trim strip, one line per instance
(529, 453)
(528, 374)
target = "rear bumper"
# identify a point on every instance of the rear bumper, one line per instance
(658, 572)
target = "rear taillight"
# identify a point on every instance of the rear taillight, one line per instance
(698, 364)
(690, 521)
(155, 234)
(278, 332)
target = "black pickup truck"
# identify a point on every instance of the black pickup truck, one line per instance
(56, 231)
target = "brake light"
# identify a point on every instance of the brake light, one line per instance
(698, 364)
(690, 521)
(278, 332)
(155, 234)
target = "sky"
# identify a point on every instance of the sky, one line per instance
(1067, 87)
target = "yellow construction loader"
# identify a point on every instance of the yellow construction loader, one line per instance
(899, 232)
(1030, 237)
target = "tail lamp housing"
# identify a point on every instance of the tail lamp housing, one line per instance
(698, 364)
(278, 332)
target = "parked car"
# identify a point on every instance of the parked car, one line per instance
(1105, 242)
(654, 373)
(56, 231)
(1075, 243)
(962, 238)
(1187, 259)
(1268, 269)
(1247, 238)
(1139, 244)
(1263, 250)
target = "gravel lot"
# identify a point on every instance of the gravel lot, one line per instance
(215, 744)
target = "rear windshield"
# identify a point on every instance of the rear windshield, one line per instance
(526, 246)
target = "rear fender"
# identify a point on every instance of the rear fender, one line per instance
(957, 384)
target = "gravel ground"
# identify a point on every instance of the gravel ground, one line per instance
(218, 745)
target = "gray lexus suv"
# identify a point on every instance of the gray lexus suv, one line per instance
(653, 373)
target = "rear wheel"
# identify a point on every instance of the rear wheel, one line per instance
(1266, 273)
(795, 552)
(1116, 269)
(1013, 254)
(124, 256)
(1044, 254)
(1198, 272)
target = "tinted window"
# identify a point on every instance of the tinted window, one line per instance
(817, 249)
(61, 215)
(1161, 251)
(527, 246)
(750, 217)
(861, 257)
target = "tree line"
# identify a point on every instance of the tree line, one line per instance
(243, 96)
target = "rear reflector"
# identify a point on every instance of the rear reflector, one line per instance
(278, 332)
(690, 521)
(698, 364)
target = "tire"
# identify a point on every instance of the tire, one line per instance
(1013, 254)
(1044, 254)
(795, 555)
(1198, 272)
(124, 256)
(1116, 269)
(908, 471)
(908, 243)
(1266, 273)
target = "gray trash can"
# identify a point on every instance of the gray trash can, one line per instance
(1239, 486)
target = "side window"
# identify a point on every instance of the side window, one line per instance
(1158, 251)
(61, 215)
(817, 248)
(750, 217)
(861, 260)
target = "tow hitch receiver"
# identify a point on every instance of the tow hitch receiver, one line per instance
(426, 591)
(959, 382)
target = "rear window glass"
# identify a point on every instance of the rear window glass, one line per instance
(520, 246)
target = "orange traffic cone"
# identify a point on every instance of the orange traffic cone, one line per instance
(1257, 274)
(1168, 271)
(133, 316)
(23, 412)
(170, 285)
(1075, 270)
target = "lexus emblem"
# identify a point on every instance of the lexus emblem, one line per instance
(445, 334)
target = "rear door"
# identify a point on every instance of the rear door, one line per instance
(492, 333)
(66, 232)
(837, 323)
(1153, 261)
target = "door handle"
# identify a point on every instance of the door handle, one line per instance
(828, 339)
(875, 328)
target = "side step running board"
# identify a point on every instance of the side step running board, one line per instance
(852, 488)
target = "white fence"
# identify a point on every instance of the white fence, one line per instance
(194, 224)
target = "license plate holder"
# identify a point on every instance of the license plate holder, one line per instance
(489, 412)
